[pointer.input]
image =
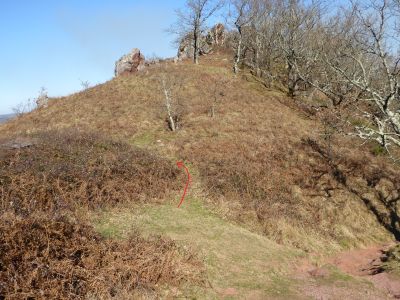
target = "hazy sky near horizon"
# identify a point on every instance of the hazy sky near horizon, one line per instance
(58, 44)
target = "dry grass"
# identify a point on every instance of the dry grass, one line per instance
(250, 157)
(273, 182)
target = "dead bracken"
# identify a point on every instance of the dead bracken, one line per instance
(70, 169)
(55, 258)
(46, 248)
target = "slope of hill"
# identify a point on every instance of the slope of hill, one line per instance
(269, 188)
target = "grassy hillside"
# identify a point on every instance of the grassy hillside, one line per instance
(269, 186)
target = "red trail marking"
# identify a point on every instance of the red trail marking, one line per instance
(181, 165)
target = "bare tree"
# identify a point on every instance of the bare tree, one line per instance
(297, 20)
(85, 84)
(369, 64)
(249, 17)
(261, 36)
(273, 33)
(352, 57)
(32, 103)
(320, 50)
(263, 39)
(242, 13)
(171, 86)
(359, 64)
(24, 107)
(42, 100)
(377, 75)
(192, 20)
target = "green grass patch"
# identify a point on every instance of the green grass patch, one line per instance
(378, 150)
(143, 139)
(234, 256)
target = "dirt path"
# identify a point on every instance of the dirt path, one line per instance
(360, 262)
(345, 275)
(366, 263)
(244, 265)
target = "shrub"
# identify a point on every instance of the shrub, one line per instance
(70, 169)
(43, 258)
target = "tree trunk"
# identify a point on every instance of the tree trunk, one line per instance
(196, 44)
(171, 121)
(238, 52)
(257, 56)
(292, 80)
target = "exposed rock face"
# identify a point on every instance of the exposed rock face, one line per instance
(130, 63)
(186, 48)
(215, 37)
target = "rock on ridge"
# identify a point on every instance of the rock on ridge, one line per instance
(132, 62)
(216, 36)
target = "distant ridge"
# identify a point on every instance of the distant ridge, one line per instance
(6, 117)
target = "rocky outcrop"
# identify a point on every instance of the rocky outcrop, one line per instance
(130, 63)
(217, 35)
(207, 43)
(186, 48)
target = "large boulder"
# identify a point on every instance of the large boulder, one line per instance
(186, 48)
(215, 37)
(130, 63)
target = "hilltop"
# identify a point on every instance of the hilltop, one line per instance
(274, 195)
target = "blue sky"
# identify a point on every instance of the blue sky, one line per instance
(56, 44)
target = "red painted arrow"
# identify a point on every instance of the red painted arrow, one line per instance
(181, 165)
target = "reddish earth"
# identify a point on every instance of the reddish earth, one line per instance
(360, 263)
(365, 263)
